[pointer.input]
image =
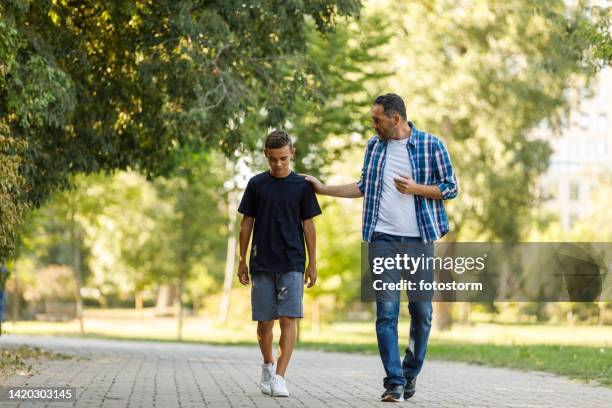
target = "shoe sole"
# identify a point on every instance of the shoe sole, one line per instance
(265, 392)
(279, 395)
(389, 398)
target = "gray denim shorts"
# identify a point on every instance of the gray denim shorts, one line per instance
(275, 295)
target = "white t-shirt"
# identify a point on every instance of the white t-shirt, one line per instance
(397, 213)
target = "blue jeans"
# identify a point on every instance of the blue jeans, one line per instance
(387, 313)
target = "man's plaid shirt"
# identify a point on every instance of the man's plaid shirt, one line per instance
(431, 165)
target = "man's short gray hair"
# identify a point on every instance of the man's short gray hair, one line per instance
(392, 103)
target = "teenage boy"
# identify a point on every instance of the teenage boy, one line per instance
(278, 206)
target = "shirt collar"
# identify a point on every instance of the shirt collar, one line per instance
(412, 138)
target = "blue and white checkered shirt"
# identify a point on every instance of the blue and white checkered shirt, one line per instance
(431, 165)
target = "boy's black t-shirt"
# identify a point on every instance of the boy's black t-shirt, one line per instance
(279, 205)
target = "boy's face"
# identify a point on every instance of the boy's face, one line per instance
(279, 160)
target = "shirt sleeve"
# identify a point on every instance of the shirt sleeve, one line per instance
(248, 204)
(361, 182)
(309, 206)
(444, 170)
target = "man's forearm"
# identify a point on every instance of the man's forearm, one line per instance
(345, 191)
(429, 191)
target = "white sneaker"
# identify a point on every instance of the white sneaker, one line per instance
(267, 372)
(278, 386)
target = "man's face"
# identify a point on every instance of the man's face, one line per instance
(382, 124)
(279, 160)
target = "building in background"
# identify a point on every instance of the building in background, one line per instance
(582, 155)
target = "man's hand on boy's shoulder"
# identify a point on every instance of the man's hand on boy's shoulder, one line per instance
(316, 183)
(310, 276)
(243, 273)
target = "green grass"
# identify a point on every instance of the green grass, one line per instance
(580, 352)
(583, 363)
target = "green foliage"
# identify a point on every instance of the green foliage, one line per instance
(134, 234)
(597, 36)
(339, 239)
(351, 65)
(4, 275)
(47, 102)
(595, 225)
(111, 85)
(195, 234)
(482, 75)
(127, 247)
(149, 75)
(339, 255)
(162, 87)
(12, 204)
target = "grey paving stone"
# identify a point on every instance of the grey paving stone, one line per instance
(117, 374)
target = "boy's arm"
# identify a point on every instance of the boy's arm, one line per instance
(310, 276)
(246, 227)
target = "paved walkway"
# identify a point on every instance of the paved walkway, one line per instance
(114, 374)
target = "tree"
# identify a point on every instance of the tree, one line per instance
(12, 206)
(596, 227)
(70, 215)
(195, 233)
(598, 36)
(111, 85)
(351, 64)
(126, 241)
(482, 76)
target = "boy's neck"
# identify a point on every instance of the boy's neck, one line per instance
(281, 175)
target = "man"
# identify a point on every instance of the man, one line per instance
(406, 175)
(280, 205)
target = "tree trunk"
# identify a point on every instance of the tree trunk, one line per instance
(196, 305)
(138, 303)
(464, 311)
(165, 298)
(230, 258)
(16, 294)
(442, 315)
(602, 313)
(76, 248)
(181, 288)
(1, 307)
